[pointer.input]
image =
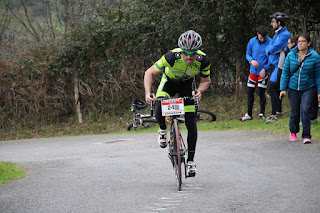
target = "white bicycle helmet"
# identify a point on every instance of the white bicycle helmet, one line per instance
(190, 40)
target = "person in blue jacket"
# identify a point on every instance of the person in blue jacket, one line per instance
(301, 76)
(258, 76)
(276, 52)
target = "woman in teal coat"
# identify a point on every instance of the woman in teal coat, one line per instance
(301, 77)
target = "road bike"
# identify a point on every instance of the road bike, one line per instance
(144, 119)
(172, 108)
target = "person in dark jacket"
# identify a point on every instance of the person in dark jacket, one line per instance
(259, 72)
(301, 76)
(276, 52)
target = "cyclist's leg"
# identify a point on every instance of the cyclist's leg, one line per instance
(165, 89)
(191, 124)
(185, 89)
(158, 115)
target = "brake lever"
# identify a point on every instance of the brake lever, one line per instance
(151, 105)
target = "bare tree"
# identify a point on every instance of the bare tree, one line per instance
(70, 12)
(26, 20)
(5, 20)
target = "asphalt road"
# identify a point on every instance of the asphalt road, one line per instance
(238, 171)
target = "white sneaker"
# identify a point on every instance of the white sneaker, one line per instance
(162, 138)
(245, 117)
(261, 116)
(191, 169)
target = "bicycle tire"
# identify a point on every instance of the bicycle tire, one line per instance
(205, 115)
(177, 157)
(129, 127)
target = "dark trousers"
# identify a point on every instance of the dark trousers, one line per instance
(300, 101)
(314, 107)
(262, 95)
(274, 91)
(276, 103)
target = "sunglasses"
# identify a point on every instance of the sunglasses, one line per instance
(187, 53)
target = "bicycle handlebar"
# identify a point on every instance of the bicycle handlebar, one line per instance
(196, 104)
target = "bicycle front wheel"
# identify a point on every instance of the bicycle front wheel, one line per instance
(204, 115)
(177, 156)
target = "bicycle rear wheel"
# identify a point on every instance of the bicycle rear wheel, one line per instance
(177, 156)
(204, 115)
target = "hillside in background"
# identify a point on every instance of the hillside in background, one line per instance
(75, 60)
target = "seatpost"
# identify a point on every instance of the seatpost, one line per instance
(133, 106)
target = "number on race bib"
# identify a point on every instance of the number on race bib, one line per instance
(172, 107)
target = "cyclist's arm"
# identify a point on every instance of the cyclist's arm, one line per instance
(148, 76)
(203, 86)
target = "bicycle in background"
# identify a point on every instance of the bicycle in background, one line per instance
(138, 118)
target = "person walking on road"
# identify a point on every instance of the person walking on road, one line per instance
(301, 77)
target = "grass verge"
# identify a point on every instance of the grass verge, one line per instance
(10, 171)
(227, 110)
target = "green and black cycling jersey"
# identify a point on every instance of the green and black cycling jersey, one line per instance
(174, 67)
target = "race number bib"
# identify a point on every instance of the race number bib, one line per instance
(172, 107)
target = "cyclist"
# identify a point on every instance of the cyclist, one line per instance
(276, 53)
(178, 68)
